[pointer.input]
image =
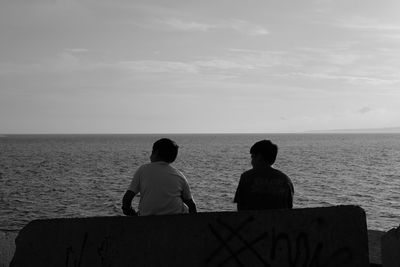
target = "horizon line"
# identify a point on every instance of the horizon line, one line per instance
(339, 131)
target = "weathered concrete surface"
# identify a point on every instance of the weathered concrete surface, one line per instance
(391, 248)
(374, 246)
(334, 236)
(7, 247)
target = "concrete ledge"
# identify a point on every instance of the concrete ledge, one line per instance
(374, 246)
(7, 247)
(334, 236)
(391, 248)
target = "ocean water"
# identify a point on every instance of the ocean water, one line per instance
(52, 176)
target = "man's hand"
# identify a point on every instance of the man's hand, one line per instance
(129, 211)
(127, 203)
(191, 205)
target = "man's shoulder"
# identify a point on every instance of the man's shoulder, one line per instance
(168, 169)
(248, 176)
(280, 173)
(272, 174)
(248, 173)
(284, 177)
(145, 166)
(177, 172)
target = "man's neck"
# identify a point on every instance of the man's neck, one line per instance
(159, 161)
(262, 166)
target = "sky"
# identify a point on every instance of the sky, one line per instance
(156, 66)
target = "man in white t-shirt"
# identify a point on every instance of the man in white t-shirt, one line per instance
(163, 189)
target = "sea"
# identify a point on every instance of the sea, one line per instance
(64, 176)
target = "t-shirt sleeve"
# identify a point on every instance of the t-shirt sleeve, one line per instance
(291, 186)
(290, 193)
(135, 183)
(240, 191)
(186, 193)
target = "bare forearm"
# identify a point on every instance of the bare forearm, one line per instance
(127, 203)
(191, 205)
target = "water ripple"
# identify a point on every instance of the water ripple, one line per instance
(80, 176)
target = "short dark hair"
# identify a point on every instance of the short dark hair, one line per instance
(167, 149)
(267, 149)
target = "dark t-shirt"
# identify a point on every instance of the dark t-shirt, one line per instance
(264, 188)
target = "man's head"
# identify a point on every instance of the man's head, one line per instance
(164, 149)
(263, 152)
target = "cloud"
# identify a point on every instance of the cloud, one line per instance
(356, 80)
(364, 110)
(211, 66)
(261, 59)
(154, 66)
(342, 59)
(223, 64)
(67, 61)
(240, 26)
(76, 50)
(355, 67)
(339, 54)
(391, 36)
(64, 61)
(363, 23)
(246, 27)
(181, 25)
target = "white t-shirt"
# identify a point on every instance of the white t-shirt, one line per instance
(161, 189)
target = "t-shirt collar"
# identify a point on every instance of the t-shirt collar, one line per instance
(160, 162)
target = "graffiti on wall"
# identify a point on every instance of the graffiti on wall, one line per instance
(105, 252)
(278, 248)
(239, 242)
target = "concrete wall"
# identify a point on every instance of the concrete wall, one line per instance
(7, 247)
(391, 248)
(335, 236)
(374, 246)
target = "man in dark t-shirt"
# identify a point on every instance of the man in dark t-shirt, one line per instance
(264, 187)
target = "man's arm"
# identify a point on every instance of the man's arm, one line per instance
(289, 192)
(127, 203)
(240, 194)
(191, 205)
